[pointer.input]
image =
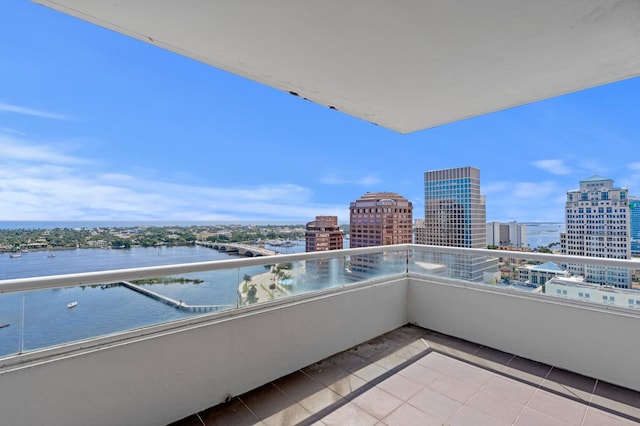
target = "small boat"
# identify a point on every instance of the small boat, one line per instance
(4, 325)
(15, 256)
(51, 255)
(72, 304)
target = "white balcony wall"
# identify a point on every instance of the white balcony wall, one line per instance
(158, 379)
(583, 337)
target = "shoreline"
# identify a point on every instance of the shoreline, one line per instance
(263, 292)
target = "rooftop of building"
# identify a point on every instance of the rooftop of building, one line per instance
(545, 267)
(595, 178)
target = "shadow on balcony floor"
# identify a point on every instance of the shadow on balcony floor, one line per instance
(413, 376)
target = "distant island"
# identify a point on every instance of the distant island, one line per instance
(15, 240)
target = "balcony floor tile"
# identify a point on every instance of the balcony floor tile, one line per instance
(417, 376)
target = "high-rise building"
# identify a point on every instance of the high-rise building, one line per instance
(455, 215)
(380, 218)
(597, 224)
(454, 209)
(511, 234)
(634, 213)
(419, 232)
(323, 234)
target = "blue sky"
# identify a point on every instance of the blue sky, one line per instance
(98, 126)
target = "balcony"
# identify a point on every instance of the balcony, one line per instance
(400, 337)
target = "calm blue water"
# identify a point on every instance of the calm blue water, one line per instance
(100, 311)
(543, 234)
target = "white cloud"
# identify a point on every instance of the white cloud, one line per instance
(556, 167)
(13, 148)
(368, 180)
(534, 190)
(37, 183)
(494, 187)
(525, 201)
(32, 112)
(635, 167)
(631, 180)
(333, 179)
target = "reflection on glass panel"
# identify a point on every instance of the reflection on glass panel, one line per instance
(285, 279)
(38, 319)
(363, 267)
(579, 287)
(11, 323)
(474, 268)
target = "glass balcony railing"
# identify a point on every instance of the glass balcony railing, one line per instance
(53, 311)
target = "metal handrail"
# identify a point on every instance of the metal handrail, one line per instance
(87, 278)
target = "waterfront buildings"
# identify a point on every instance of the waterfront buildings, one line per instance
(455, 215)
(323, 234)
(376, 219)
(380, 218)
(597, 225)
(540, 274)
(511, 234)
(634, 213)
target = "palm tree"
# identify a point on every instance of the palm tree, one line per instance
(247, 279)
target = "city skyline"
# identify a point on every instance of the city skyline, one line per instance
(97, 126)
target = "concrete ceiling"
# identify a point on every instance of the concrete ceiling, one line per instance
(403, 64)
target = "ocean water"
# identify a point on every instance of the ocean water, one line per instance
(543, 234)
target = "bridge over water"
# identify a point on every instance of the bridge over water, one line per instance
(242, 249)
(178, 304)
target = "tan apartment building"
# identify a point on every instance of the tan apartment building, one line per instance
(380, 218)
(323, 234)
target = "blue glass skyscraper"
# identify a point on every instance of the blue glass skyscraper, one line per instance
(634, 212)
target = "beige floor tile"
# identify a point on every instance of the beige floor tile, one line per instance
(510, 389)
(435, 404)
(460, 390)
(530, 417)
(349, 415)
(557, 406)
(495, 405)
(408, 415)
(400, 387)
(595, 417)
(419, 374)
(377, 402)
(468, 416)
